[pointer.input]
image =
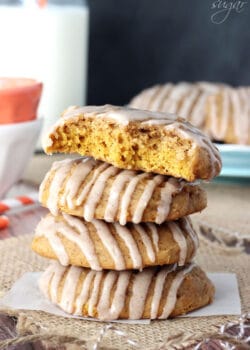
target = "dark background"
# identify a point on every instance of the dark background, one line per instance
(137, 43)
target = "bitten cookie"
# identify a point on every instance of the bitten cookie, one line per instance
(99, 245)
(228, 115)
(137, 140)
(108, 295)
(92, 189)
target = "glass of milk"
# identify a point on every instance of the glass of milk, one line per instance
(47, 41)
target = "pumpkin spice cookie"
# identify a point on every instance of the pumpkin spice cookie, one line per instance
(99, 245)
(228, 115)
(158, 292)
(137, 140)
(188, 100)
(92, 189)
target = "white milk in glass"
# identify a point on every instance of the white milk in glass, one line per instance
(49, 44)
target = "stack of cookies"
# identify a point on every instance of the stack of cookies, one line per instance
(118, 227)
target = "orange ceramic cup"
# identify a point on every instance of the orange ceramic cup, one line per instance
(19, 99)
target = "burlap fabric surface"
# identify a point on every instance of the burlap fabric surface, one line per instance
(228, 207)
(17, 258)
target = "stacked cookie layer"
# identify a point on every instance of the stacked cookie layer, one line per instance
(118, 226)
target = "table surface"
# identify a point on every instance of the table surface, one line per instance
(228, 207)
(20, 223)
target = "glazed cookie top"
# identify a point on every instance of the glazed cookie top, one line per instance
(173, 134)
(120, 115)
(124, 116)
(157, 292)
(51, 280)
(185, 99)
(93, 189)
(100, 245)
(229, 109)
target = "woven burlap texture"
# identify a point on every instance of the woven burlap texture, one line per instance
(17, 258)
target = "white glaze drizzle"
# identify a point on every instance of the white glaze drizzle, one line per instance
(141, 282)
(170, 188)
(149, 93)
(85, 288)
(83, 194)
(106, 311)
(103, 307)
(115, 191)
(172, 293)
(121, 115)
(126, 198)
(57, 276)
(158, 288)
(145, 197)
(187, 104)
(153, 94)
(198, 114)
(81, 171)
(178, 92)
(51, 277)
(56, 184)
(150, 96)
(69, 289)
(81, 238)
(154, 233)
(234, 111)
(98, 300)
(186, 223)
(146, 241)
(119, 195)
(180, 240)
(166, 102)
(151, 122)
(120, 294)
(49, 228)
(94, 294)
(77, 231)
(110, 243)
(219, 130)
(157, 102)
(97, 191)
(128, 238)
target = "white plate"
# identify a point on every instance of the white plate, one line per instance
(17, 144)
(235, 160)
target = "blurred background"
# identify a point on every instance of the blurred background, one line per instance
(138, 43)
(106, 51)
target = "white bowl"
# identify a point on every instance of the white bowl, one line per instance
(17, 144)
